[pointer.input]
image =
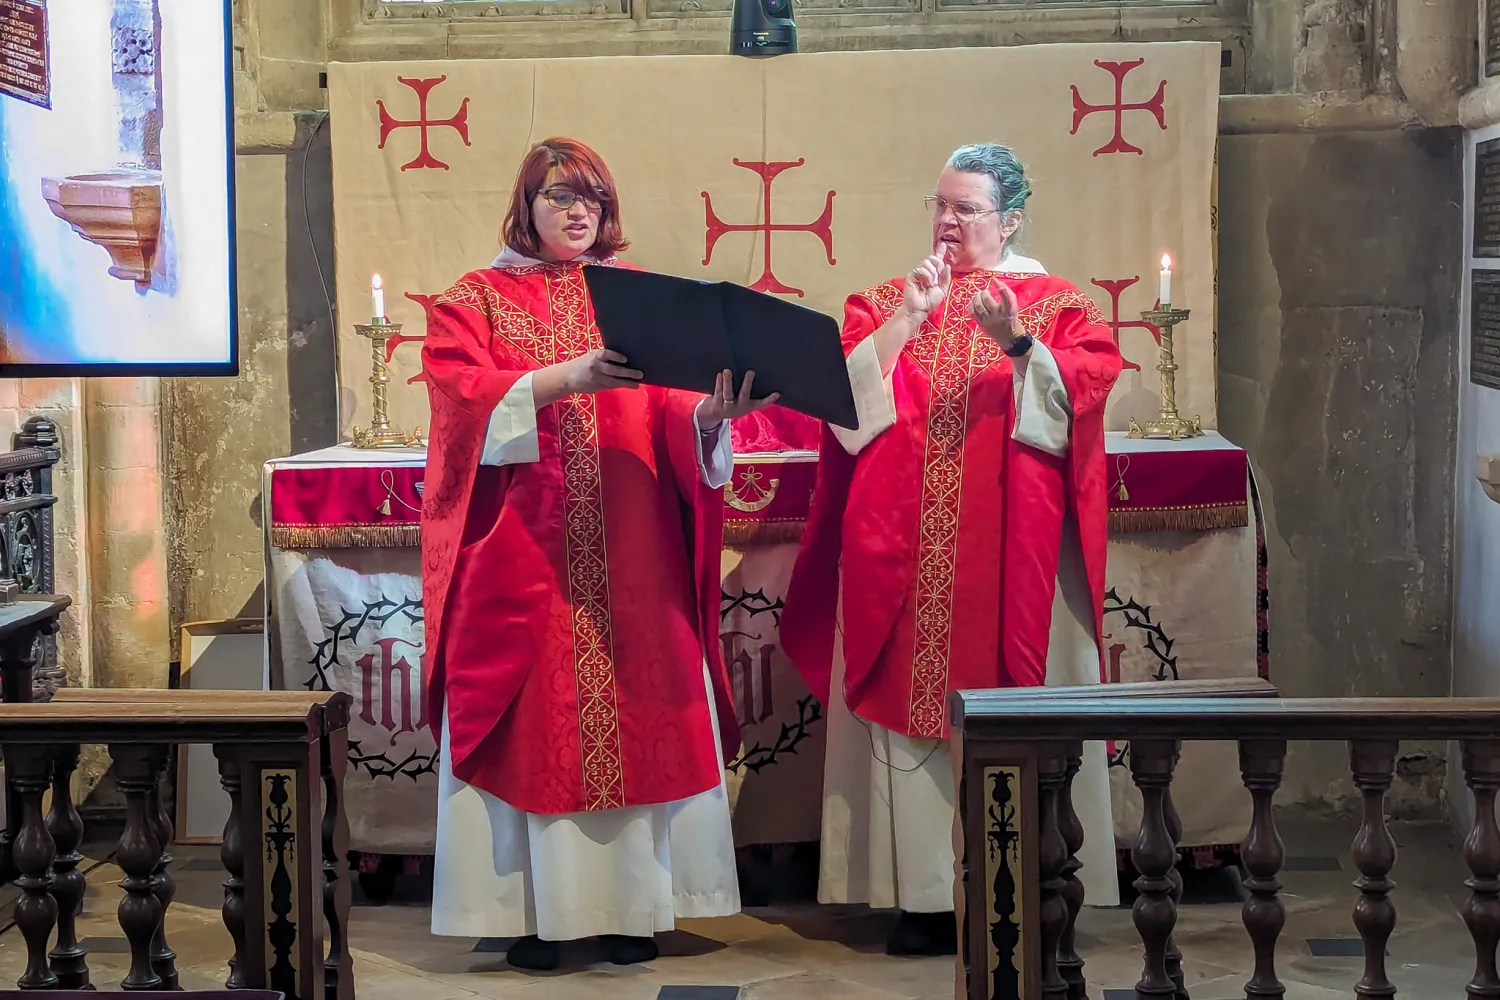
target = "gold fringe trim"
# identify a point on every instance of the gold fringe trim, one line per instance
(1179, 518)
(345, 536)
(738, 532)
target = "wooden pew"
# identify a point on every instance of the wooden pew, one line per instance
(275, 750)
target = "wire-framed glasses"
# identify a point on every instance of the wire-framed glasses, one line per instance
(963, 211)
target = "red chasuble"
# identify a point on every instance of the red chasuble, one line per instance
(946, 530)
(570, 602)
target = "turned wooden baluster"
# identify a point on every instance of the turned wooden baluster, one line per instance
(1151, 765)
(1069, 964)
(1052, 854)
(28, 768)
(338, 967)
(163, 959)
(232, 857)
(1262, 853)
(137, 855)
(1174, 830)
(68, 960)
(1373, 766)
(1482, 853)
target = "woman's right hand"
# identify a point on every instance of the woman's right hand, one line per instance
(600, 370)
(925, 287)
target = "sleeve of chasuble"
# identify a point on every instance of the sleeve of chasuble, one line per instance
(489, 398)
(874, 398)
(1055, 384)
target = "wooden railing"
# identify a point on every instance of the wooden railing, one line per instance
(282, 757)
(1017, 850)
(26, 532)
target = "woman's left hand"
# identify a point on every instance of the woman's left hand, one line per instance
(996, 313)
(722, 404)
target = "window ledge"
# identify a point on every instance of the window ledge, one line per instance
(538, 32)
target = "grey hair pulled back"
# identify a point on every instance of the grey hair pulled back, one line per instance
(1007, 177)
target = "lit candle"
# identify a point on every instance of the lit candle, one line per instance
(1166, 281)
(377, 299)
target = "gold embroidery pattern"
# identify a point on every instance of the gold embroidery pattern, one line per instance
(588, 571)
(508, 321)
(1037, 318)
(951, 350)
(885, 297)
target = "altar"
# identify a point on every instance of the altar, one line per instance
(1186, 598)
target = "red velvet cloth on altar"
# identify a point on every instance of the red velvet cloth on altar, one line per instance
(1194, 485)
(346, 506)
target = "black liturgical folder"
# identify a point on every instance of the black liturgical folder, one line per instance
(681, 333)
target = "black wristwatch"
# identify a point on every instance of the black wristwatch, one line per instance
(1019, 346)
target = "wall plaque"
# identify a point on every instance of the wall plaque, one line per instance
(23, 51)
(1491, 10)
(1487, 199)
(1484, 329)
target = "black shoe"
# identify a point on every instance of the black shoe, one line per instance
(623, 950)
(924, 934)
(531, 952)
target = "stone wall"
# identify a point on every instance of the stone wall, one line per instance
(1339, 272)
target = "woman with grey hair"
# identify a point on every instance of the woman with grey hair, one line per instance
(956, 541)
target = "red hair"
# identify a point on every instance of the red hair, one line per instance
(578, 167)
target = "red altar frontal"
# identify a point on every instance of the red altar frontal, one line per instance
(1186, 598)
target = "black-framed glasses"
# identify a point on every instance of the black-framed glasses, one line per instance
(564, 198)
(963, 211)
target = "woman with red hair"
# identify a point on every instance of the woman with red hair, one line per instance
(570, 562)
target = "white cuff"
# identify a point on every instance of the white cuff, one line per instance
(716, 464)
(1044, 414)
(511, 438)
(874, 399)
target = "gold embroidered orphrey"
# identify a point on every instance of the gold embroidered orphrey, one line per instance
(574, 334)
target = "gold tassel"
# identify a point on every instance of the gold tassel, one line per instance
(385, 507)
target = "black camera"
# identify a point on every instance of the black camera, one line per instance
(762, 28)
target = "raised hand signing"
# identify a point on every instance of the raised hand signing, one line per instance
(995, 310)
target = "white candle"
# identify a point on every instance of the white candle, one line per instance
(1165, 293)
(377, 299)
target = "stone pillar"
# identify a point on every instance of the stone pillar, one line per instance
(127, 585)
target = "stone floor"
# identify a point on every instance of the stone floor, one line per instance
(797, 951)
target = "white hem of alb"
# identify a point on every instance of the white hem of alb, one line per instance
(501, 872)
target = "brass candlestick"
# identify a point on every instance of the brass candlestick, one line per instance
(1168, 423)
(380, 433)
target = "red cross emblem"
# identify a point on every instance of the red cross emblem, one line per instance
(425, 301)
(459, 122)
(822, 227)
(1156, 105)
(1114, 286)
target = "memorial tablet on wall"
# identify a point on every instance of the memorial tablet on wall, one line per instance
(1484, 329)
(23, 51)
(1487, 198)
(1491, 10)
